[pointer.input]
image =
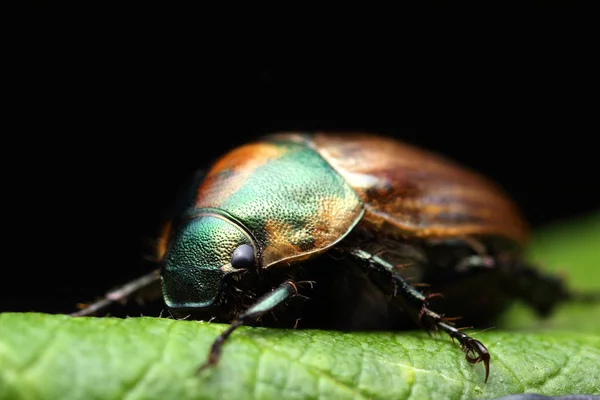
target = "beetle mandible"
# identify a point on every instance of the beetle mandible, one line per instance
(366, 231)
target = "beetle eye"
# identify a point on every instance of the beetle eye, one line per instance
(243, 257)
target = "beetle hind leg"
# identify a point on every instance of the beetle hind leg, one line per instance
(417, 303)
(540, 290)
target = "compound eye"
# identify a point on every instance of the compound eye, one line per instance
(243, 257)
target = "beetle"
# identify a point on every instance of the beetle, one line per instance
(366, 231)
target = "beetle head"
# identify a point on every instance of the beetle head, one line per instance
(201, 254)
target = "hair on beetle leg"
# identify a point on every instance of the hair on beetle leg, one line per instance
(422, 284)
(310, 283)
(451, 319)
(464, 328)
(433, 295)
(404, 265)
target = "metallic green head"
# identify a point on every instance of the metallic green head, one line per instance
(203, 251)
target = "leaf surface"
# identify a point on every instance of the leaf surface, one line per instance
(46, 356)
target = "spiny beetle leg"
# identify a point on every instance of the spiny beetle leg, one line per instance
(119, 295)
(265, 304)
(215, 350)
(475, 351)
(475, 261)
(541, 291)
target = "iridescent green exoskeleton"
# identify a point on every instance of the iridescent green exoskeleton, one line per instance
(359, 224)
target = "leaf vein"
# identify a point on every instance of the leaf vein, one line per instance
(510, 371)
(314, 370)
(45, 349)
(413, 382)
(138, 382)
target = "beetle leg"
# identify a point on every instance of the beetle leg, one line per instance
(475, 261)
(541, 291)
(268, 302)
(119, 295)
(411, 295)
(475, 351)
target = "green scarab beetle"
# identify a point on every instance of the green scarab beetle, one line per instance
(344, 231)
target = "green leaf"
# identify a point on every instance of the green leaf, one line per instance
(59, 357)
(572, 250)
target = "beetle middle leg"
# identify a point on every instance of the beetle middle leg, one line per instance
(417, 303)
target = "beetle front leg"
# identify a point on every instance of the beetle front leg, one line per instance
(268, 302)
(120, 294)
(475, 351)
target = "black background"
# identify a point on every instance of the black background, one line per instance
(114, 114)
